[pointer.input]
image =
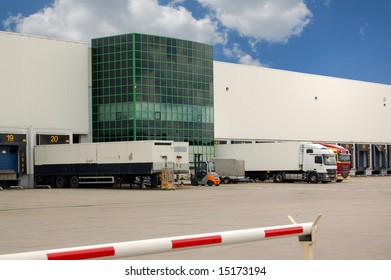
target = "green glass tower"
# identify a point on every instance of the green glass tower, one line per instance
(147, 87)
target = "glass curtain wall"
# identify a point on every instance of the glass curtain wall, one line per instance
(153, 88)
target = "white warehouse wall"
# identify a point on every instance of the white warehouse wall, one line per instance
(44, 83)
(43, 90)
(263, 103)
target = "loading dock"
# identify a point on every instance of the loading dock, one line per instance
(12, 158)
(362, 159)
(9, 158)
(378, 159)
(388, 160)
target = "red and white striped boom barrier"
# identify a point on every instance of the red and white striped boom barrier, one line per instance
(305, 231)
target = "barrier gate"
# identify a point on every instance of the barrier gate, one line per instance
(305, 231)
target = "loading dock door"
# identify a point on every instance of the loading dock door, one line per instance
(363, 156)
(378, 155)
(13, 153)
(379, 163)
(363, 159)
(388, 159)
(9, 158)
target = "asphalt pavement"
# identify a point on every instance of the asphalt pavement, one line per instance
(355, 222)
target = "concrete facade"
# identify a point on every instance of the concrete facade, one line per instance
(269, 104)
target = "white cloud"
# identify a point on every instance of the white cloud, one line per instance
(249, 60)
(268, 20)
(10, 22)
(85, 19)
(273, 21)
(363, 30)
(242, 57)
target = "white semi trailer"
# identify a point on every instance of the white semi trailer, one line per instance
(283, 161)
(108, 162)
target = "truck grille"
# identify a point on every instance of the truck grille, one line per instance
(344, 167)
(332, 173)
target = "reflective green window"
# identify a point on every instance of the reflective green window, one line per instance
(151, 87)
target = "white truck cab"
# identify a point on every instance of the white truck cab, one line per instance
(319, 163)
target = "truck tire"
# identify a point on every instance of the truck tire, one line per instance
(60, 181)
(226, 180)
(279, 178)
(313, 178)
(74, 182)
(262, 178)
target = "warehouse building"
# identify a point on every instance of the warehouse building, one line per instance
(139, 87)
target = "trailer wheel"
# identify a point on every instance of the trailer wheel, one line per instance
(226, 180)
(210, 183)
(279, 178)
(74, 182)
(60, 181)
(313, 178)
(262, 178)
(194, 182)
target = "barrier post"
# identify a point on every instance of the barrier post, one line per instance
(309, 240)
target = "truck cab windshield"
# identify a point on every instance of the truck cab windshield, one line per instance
(330, 160)
(344, 158)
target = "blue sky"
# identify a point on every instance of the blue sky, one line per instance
(340, 38)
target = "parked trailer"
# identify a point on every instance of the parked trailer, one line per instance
(108, 163)
(230, 170)
(283, 161)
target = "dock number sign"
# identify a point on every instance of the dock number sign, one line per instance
(46, 139)
(12, 138)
